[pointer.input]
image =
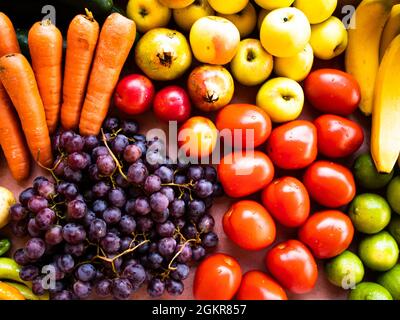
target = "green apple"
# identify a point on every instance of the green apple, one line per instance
(185, 17)
(316, 10)
(148, 14)
(329, 38)
(285, 32)
(252, 65)
(282, 99)
(244, 20)
(297, 67)
(274, 4)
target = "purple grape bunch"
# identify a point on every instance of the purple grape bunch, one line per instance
(112, 220)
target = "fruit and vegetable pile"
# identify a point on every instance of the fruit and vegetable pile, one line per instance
(115, 209)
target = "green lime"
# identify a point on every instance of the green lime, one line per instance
(391, 281)
(394, 228)
(345, 270)
(393, 194)
(370, 213)
(379, 252)
(369, 291)
(366, 174)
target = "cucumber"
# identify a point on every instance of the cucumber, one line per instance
(98, 7)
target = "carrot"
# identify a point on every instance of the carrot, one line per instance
(45, 47)
(8, 292)
(19, 81)
(12, 140)
(116, 40)
(8, 37)
(82, 37)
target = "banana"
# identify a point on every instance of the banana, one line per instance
(391, 30)
(385, 137)
(362, 55)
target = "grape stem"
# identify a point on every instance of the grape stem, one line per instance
(170, 268)
(51, 170)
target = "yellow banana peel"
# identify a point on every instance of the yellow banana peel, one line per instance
(391, 30)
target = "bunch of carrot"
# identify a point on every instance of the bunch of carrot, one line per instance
(92, 67)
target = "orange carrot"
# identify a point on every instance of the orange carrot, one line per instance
(19, 81)
(116, 40)
(12, 140)
(45, 47)
(8, 292)
(8, 37)
(82, 37)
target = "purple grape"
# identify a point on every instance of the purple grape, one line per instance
(155, 260)
(33, 228)
(127, 224)
(65, 137)
(186, 253)
(76, 209)
(77, 161)
(165, 229)
(19, 228)
(125, 243)
(144, 224)
(135, 273)
(195, 173)
(101, 189)
(103, 287)
(129, 127)
(37, 203)
(210, 174)
(209, 240)
(99, 206)
(203, 188)
(97, 229)
(46, 189)
(152, 184)
(63, 295)
(70, 191)
(180, 179)
(99, 151)
(26, 195)
(58, 287)
(66, 263)
(37, 286)
(59, 275)
(169, 193)
(73, 233)
(106, 165)
(121, 181)
(111, 243)
(121, 288)
(130, 207)
(117, 197)
(119, 144)
(37, 181)
(156, 288)
(85, 272)
(56, 143)
(53, 235)
(177, 208)
(142, 206)
(59, 169)
(206, 223)
(181, 271)
(158, 202)
(160, 217)
(74, 144)
(35, 248)
(88, 218)
(91, 142)
(198, 253)
(179, 222)
(137, 173)
(112, 215)
(20, 257)
(111, 124)
(82, 289)
(141, 145)
(76, 250)
(132, 153)
(166, 174)
(174, 287)
(29, 272)
(72, 175)
(18, 212)
(197, 208)
(166, 247)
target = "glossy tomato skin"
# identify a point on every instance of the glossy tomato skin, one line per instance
(293, 265)
(249, 225)
(134, 94)
(293, 145)
(288, 201)
(257, 285)
(172, 103)
(330, 184)
(332, 91)
(198, 136)
(338, 137)
(242, 174)
(217, 277)
(244, 117)
(327, 233)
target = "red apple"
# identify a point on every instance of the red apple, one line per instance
(134, 94)
(172, 104)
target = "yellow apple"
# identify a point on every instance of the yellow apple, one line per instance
(176, 4)
(185, 17)
(285, 32)
(297, 67)
(282, 99)
(261, 15)
(275, 4)
(228, 6)
(148, 14)
(316, 10)
(329, 38)
(214, 40)
(244, 20)
(252, 65)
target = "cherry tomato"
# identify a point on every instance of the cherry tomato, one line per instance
(249, 225)
(198, 137)
(330, 184)
(256, 285)
(244, 117)
(332, 91)
(293, 265)
(327, 233)
(217, 277)
(242, 174)
(338, 137)
(172, 104)
(288, 201)
(293, 145)
(134, 94)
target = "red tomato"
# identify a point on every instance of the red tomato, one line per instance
(242, 174)
(293, 265)
(198, 137)
(244, 117)
(256, 285)
(134, 94)
(330, 184)
(249, 225)
(172, 104)
(217, 277)
(288, 201)
(338, 137)
(293, 145)
(332, 91)
(327, 233)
